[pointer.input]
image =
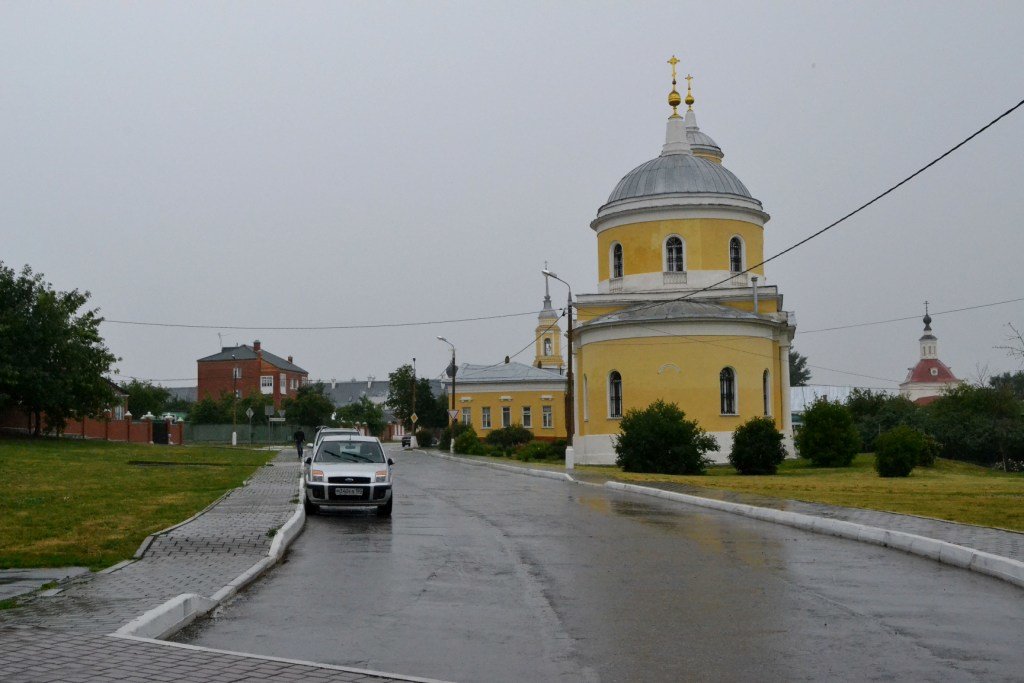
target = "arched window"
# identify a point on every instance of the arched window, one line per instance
(766, 391)
(614, 394)
(586, 398)
(617, 260)
(735, 255)
(547, 346)
(727, 380)
(674, 255)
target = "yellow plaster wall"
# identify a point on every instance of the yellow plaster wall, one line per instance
(519, 399)
(706, 243)
(694, 386)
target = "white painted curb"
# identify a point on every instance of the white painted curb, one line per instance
(996, 566)
(547, 474)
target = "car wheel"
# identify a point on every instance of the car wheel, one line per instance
(385, 509)
(309, 507)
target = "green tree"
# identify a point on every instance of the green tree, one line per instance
(828, 437)
(799, 373)
(400, 394)
(1014, 383)
(875, 412)
(207, 411)
(53, 360)
(660, 439)
(145, 397)
(978, 424)
(310, 406)
(364, 411)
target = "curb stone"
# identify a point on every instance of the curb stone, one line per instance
(548, 474)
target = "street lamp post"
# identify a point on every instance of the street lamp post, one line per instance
(412, 439)
(570, 408)
(452, 371)
(234, 402)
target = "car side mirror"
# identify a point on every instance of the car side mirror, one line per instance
(309, 445)
(390, 461)
(309, 461)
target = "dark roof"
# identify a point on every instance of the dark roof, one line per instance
(189, 394)
(922, 372)
(344, 393)
(246, 352)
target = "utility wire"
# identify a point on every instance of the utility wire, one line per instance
(911, 317)
(321, 327)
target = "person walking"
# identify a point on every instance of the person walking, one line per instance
(300, 438)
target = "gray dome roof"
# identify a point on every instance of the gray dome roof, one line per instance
(678, 173)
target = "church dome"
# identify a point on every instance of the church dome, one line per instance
(678, 173)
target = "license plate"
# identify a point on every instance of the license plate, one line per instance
(348, 492)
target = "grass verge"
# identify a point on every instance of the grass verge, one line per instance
(951, 490)
(91, 503)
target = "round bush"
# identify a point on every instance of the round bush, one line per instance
(537, 450)
(425, 438)
(757, 447)
(509, 437)
(898, 450)
(660, 439)
(445, 441)
(828, 437)
(467, 442)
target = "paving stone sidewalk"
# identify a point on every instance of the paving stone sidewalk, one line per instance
(65, 637)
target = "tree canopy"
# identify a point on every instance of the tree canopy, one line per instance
(429, 409)
(145, 397)
(53, 361)
(309, 407)
(365, 411)
(799, 373)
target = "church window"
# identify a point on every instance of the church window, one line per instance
(527, 417)
(547, 346)
(727, 380)
(674, 255)
(617, 260)
(766, 391)
(506, 416)
(614, 394)
(735, 255)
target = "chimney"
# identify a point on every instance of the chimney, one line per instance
(256, 346)
(289, 359)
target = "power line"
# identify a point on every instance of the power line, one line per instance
(911, 317)
(320, 327)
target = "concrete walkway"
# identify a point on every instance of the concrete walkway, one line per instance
(69, 635)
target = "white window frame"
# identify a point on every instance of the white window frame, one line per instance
(284, 383)
(682, 255)
(266, 384)
(506, 416)
(467, 416)
(622, 261)
(614, 412)
(236, 372)
(743, 254)
(586, 404)
(547, 417)
(527, 417)
(735, 397)
(485, 417)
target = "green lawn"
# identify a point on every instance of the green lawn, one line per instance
(91, 503)
(951, 490)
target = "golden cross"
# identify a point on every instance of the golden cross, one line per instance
(688, 79)
(673, 62)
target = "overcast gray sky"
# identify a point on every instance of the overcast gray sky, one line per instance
(305, 164)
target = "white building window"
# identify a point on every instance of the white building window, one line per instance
(617, 260)
(546, 417)
(266, 384)
(735, 255)
(614, 394)
(506, 416)
(119, 412)
(236, 372)
(527, 417)
(284, 383)
(674, 255)
(485, 418)
(467, 418)
(727, 382)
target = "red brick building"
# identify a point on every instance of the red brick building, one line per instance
(246, 369)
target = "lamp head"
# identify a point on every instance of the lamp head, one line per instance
(548, 273)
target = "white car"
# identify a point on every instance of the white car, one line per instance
(348, 470)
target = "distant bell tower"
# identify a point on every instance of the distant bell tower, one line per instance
(549, 336)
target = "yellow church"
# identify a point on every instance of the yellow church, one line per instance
(683, 311)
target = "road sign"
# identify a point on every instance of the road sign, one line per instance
(453, 414)
(268, 411)
(249, 413)
(275, 419)
(280, 413)
(415, 418)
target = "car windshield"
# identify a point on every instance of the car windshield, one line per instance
(349, 451)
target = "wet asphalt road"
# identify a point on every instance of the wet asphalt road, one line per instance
(484, 575)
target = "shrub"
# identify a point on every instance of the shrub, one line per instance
(445, 441)
(558, 446)
(660, 439)
(425, 438)
(828, 437)
(978, 424)
(932, 448)
(467, 442)
(537, 450)
(876, 412)
(757, 447)
(509, 437)
(898, 450)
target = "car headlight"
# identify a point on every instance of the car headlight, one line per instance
(381, 476)
(316, 475)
